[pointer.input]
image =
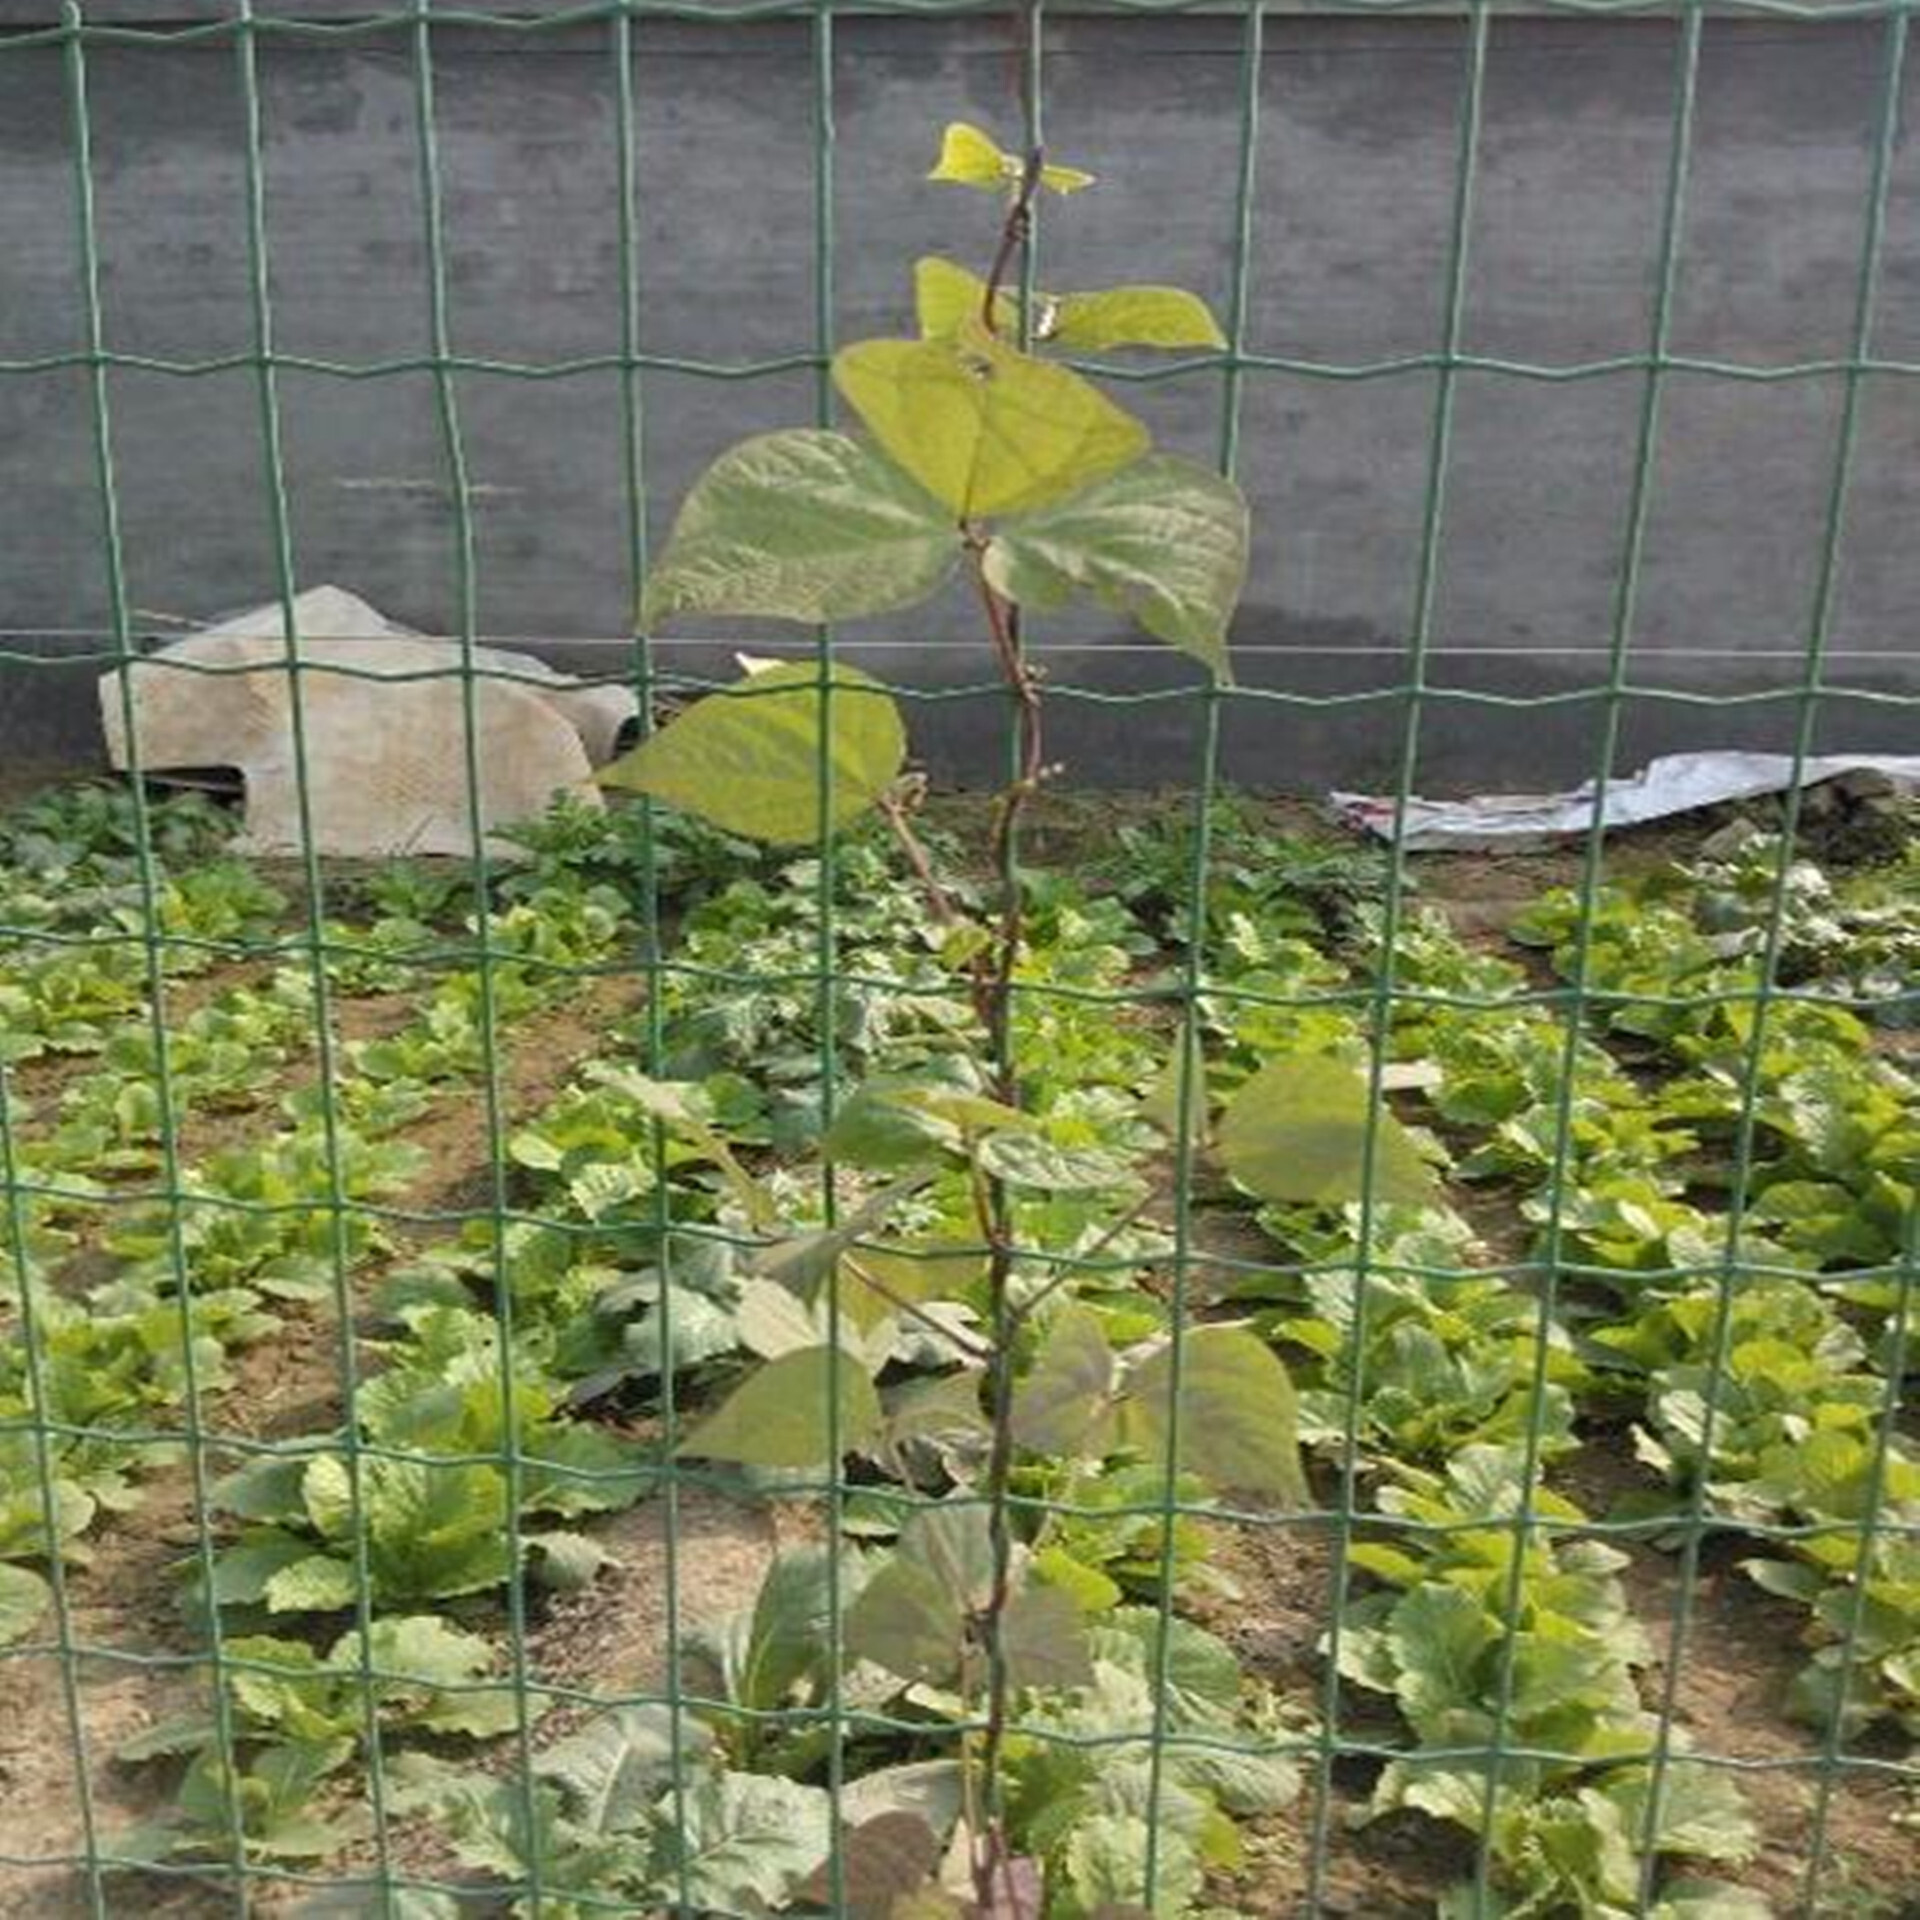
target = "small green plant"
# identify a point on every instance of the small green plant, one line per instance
(1492, 1618)
(431, 1507)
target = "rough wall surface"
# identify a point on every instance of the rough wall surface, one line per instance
(1351, 217)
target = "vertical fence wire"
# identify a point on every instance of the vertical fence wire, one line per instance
(1382, 990)
(467, 627)
(286, 584)
(113, 559)
(1577, 1002)
(821, 58)
(1190, 1094)
(647, 959)
(1807, 707)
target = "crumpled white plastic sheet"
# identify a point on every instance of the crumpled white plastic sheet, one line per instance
(377, 745)
(1674, 783)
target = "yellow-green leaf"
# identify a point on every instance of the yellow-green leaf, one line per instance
(1092, 1590)
(1298, 1131)
(1064, 179)
(1133, 317)
(970, 158)
(985, 429)
(750, 759)
(946, 297)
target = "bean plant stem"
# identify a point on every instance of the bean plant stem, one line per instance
(994, 989)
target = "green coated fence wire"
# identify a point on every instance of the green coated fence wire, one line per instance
(1338, 1731)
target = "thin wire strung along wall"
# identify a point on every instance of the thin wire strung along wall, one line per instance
(216, 1437)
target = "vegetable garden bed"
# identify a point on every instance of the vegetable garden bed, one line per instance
(470, 1385)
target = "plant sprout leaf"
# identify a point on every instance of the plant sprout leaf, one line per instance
(802, 525)
(778, 1415)
(750, 759)
(1163, 541)
(985, 429)
(970, 158)
(1065, 179)
(946, 297)
(1298, 1131)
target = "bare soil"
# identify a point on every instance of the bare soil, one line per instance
(135, 1660)
(135, 1663)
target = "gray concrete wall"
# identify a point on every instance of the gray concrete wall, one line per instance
(1350, 226)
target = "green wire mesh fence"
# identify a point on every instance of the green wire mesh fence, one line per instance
(313, 1772)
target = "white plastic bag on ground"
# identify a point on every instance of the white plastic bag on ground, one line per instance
(1674, 783)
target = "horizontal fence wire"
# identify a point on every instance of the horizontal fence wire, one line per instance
(1337, 1731)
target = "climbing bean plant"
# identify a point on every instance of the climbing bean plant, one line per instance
(983, 457)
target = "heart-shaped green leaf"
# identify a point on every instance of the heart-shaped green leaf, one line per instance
(802, 526)
(909, 1621)
(1163, 541)
(985, 429)
(754, 759)
(1065, 1405)
(778, 1416)
(1238, 1421)
(1298, 1131)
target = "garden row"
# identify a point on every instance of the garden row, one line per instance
(1720, 1207)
